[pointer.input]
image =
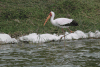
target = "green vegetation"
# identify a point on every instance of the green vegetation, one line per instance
(19, 17)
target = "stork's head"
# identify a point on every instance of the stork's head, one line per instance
(50, 14)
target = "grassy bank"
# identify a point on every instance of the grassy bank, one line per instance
(18, 17)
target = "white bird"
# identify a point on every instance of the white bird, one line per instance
(61, 22)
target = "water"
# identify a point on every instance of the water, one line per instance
(75, 53)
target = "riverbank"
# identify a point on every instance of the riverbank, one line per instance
(19, 18)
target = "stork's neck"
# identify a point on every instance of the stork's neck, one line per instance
(52, 18)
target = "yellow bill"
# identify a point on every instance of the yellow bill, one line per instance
(47, 19)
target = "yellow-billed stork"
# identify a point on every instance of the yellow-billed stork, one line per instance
(61, 22)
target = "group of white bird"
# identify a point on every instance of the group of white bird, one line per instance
(60, 22)
(41, 38)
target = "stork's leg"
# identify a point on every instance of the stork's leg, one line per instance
(62, 30)
(63, 33)
(70, 30)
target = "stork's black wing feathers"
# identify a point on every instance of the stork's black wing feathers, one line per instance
(73, 23)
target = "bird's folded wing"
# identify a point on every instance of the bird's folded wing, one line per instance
(63, 21)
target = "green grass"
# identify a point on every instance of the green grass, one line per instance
(19, 17)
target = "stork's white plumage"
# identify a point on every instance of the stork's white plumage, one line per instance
(61, 22)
